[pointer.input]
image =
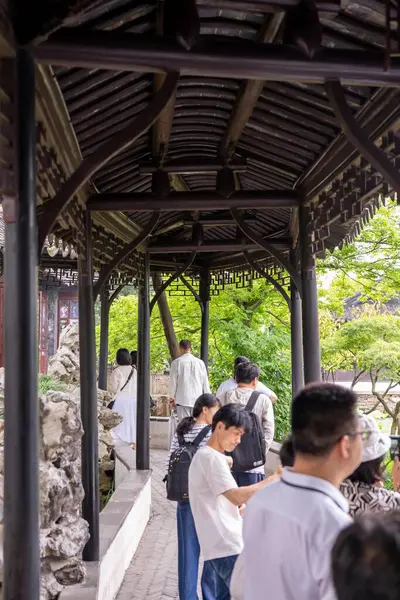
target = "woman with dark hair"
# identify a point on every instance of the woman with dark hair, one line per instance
(123, 385)
(188, 544)
(134, 358)
(364, 489)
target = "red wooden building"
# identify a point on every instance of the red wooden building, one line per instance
(57, 304)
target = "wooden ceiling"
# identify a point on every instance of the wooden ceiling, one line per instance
(285, 132)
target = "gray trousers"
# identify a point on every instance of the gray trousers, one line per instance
(183, 411)
(177, 414)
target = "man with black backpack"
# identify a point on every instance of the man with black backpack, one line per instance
(250, 456)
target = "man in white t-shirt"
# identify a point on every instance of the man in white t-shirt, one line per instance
(215, 497)
(231, 383)
(188, 380)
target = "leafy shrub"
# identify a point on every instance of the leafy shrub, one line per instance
(47, 384)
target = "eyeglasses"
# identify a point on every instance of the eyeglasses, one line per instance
(364, 433)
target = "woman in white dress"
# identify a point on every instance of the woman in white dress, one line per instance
(123, 385)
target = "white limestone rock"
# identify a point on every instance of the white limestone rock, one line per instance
(63, 532)
(65, 539)
(64, 365)
(109, 419)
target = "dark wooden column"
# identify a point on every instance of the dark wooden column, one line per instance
(205, 314)
(90, 451)
(143, 381)
(311, 343)
(104, 323)
(296, 331)
(21, 444)
(296, 335)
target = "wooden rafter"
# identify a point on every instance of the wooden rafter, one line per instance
(105, 153)
(163, 126)
(35, 21)
(249, 93)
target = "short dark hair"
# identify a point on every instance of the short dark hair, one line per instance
(239, 360)
(321, 414)
(123, 357)
(246, 372)
(286, 453)
(134, 355)
(233, 415)
(366, 558)
(369, 472)
(185, 345)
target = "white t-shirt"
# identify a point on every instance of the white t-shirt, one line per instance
(218, 522)
(230, 384)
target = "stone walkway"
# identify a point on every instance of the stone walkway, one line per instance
(152, 574)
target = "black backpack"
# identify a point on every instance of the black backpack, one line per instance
(178, 468)
(252, 450)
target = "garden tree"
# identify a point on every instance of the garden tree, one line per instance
(382, 361)
(370, 265)
(369, 345)
(166, 317)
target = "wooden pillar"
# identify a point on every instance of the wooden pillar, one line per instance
(205, 314)
(311, 342)
(143, 380)
(21, 444)
(104, 324)
(296, 335)
(90, 442)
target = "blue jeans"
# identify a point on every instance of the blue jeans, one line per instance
(244, 479)
(188, 559)
(222, 569)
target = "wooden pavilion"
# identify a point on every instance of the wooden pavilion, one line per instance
(208, 142)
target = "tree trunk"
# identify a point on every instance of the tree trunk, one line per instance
(396, 420)
(166, 318)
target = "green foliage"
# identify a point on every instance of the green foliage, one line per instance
(370, 265)
(47, 384)
(388, 482)
(369, 343)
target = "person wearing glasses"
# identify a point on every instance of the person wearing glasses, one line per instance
(364, 489)
(290, 526)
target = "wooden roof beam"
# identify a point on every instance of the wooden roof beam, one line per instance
(117, 51)
(326, 6)
(228, 245)
(248, 94)
(194, 201)
(193, 166)
(163, 126)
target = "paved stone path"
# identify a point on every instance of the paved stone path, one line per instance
(152, 574)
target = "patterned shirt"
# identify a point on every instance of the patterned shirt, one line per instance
(363, 498)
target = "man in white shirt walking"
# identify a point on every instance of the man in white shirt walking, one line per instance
(215, 497)
(231, 383)
(291, 525)
(247, 379)
(187, 381)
